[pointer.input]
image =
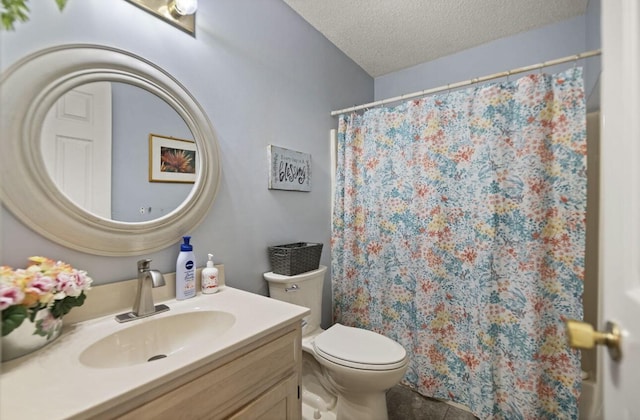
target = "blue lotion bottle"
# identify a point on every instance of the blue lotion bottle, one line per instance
(186, 271)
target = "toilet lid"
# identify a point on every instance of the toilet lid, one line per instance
(359, 349)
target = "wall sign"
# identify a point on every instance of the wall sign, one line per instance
(289, 170)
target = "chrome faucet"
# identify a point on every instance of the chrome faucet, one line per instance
(143, 305)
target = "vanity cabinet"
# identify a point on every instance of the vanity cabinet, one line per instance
(261, 380)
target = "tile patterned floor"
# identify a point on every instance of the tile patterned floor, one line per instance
(406, 404)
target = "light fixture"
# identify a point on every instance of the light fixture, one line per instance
(183, 7)
(179, 13)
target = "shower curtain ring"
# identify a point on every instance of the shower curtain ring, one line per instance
(575, 64)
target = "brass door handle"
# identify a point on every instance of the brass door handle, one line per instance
(582, 336)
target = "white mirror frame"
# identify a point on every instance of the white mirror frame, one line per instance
(29, 88)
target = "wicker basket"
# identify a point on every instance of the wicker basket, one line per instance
(292, 259)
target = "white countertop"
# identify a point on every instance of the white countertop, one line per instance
(51, 383)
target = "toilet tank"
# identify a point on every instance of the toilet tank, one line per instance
(303, 289)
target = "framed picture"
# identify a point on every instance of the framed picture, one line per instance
(171, 159)
(288, 169)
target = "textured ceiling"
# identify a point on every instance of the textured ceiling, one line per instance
(384, 36)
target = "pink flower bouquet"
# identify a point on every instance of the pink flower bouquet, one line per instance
(44, 284)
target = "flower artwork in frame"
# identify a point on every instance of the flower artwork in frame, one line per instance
(171, 159)
(289, 170)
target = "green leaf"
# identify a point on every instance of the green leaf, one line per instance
(39, 330)
(62, 307)
(33, 311)
(61, 4)
(18, 11)
(14, 10)
(12, 317)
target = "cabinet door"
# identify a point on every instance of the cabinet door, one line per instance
(278, 403)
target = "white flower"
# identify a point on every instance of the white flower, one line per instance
(73, 283)
(9, 295)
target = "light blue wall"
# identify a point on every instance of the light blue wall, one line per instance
(136, 114)
(562, 39)
(263, 76)
(593, 68)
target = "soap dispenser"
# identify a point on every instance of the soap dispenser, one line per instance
(186, 271)
(210, 277)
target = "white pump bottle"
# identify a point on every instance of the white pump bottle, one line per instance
(209, 277)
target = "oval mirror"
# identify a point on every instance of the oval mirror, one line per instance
(29, 94)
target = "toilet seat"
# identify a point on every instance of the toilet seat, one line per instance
(359, 349)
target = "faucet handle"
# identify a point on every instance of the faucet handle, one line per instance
(144, 265)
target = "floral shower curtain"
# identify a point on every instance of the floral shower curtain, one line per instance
(459, 231)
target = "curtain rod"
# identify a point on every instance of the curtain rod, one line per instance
(532, 67)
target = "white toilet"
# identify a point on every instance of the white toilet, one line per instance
(345, 371)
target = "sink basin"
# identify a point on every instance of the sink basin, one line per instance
(156, 339)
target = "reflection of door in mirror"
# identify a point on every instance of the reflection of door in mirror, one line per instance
(76, 146)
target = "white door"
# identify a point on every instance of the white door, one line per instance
(620, 205)
(76, 141)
